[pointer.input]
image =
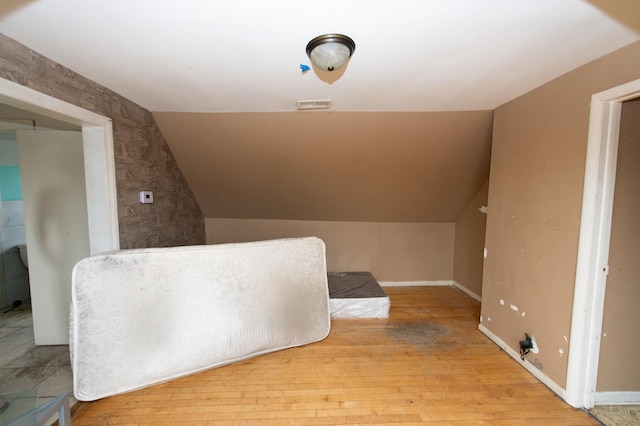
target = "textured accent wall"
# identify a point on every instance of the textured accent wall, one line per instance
(142, 157)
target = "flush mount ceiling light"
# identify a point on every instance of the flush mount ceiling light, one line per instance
(330, 52)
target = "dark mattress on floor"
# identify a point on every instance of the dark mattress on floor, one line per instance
(351, 285)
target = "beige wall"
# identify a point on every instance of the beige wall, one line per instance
(619, 366)
(469, 243)
(535, 190)
(390, 251)
(142, 157)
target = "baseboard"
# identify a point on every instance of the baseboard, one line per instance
(467, 291)
(557, 389)
(441, 283)
(617, 398)
(415, 283)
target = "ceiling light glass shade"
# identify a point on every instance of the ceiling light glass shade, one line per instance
(330, 52)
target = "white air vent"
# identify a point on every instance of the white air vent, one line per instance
(314, 104)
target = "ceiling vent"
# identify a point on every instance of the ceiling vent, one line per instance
(315, 104)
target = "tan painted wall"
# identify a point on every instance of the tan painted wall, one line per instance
(535, 194)
(469, 243)
(390, 251)
(619, 366)
(382, 189)
(341, 166)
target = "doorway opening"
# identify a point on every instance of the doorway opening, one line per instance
(593, 248)
(100, 188)
(97, 137)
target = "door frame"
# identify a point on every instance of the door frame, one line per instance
(97, 142)
(593, 245)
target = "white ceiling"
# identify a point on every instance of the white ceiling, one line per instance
(244, 55)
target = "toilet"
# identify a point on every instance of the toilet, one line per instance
(23, 255)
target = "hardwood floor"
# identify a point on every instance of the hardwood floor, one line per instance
(427, 363)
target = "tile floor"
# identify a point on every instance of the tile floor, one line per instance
(27, 368)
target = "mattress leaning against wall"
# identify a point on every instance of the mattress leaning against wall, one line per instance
(143, 317)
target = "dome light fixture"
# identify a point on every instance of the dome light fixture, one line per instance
(329, 52)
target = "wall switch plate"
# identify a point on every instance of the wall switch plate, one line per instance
(146, 197)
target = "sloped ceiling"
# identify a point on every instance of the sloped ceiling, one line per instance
(408, 135)
(377, 167)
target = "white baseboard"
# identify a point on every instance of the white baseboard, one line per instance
(441, 283)
(467, 291)
(617, 398)
(415, 283)
(526, 364)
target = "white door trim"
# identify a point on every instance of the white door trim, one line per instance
(97, 135)
(593, 246)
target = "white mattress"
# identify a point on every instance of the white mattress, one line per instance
(142, 317)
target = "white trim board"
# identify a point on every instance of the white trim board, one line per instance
(439, 283)
(467, 291)
(546, 380)
(617, 398)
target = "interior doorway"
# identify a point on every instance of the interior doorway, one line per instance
(594, 245)
(97, 137)
(97, 146)
(618, 368)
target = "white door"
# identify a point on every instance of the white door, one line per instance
(57, 230)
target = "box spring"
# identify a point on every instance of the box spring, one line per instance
(356, 295)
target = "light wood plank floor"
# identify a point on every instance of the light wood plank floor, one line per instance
(427, 363)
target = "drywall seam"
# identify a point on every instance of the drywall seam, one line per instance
(617, 398)
(557, 389)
